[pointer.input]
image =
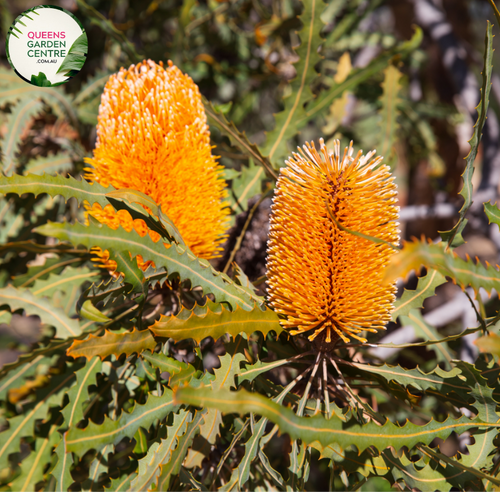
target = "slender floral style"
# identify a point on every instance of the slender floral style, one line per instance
(152, 136)
(323, 279)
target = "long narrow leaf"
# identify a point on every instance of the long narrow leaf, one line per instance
(24, 299)
(286, 126)
(174, 258)
(236, 137)
(20, 116)
(96, 436)
(435, 256)
(321, 104)
(320, 432)
(482, 109)
(112, 343)
(216, 324)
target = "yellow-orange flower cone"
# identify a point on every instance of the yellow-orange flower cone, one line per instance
(324, 280)
(152, 136)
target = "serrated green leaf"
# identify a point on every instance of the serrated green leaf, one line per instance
(130, 200)
(141, 442)
(296, 468)
(175, 258)
(22, 425)
(32, 305)
(19, 117)
(19, 217)
(132, 274)
(15, 378)
(164, 363)
(13, 89)
(413, 299)
(216, 324)
(483, 394)
(160, 453)
(319, 432)
(187, 478)
(438, 379)
(367, 463)
(112, 343)
(96, 436)
(92, 87)
(436, 475)
(31, 246)
(32, 467)
(245, 186)
(134, 196)
(105, 291)
(495, 10)
(492, 212)
(73, 414)
(85, 377)
(64, 282)
(251, 450)
(97, 467)
(122, 483)
(209, 431)
(55, 346)
(457, 470)
(250, 372)
(173, 466)
(482, 108)
(184, 376)
(52, 265)
(54, 185)
(57, 163)
(389, 112)
(434, 256)
(89, 311)
(212, 418)
(286, 122)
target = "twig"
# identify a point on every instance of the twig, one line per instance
(356, 399)
(303, 401)
(456, 308)
(326, 396)
(478, 315)
(222, 460)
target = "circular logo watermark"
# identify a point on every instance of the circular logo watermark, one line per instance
(46, 45)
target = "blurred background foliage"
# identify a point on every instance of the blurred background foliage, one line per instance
(241, 55)
(414, 105)
(409, 94)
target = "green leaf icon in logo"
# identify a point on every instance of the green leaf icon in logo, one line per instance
(75, 59)
(40, 80)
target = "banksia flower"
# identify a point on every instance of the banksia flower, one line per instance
(152, 136)
(324, 280)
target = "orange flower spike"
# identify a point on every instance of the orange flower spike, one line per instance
(324, 280)
(152, 136)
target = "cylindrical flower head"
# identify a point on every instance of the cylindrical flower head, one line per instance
(152, 136)
(324, 280)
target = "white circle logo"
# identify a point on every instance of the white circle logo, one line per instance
(46, 46)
